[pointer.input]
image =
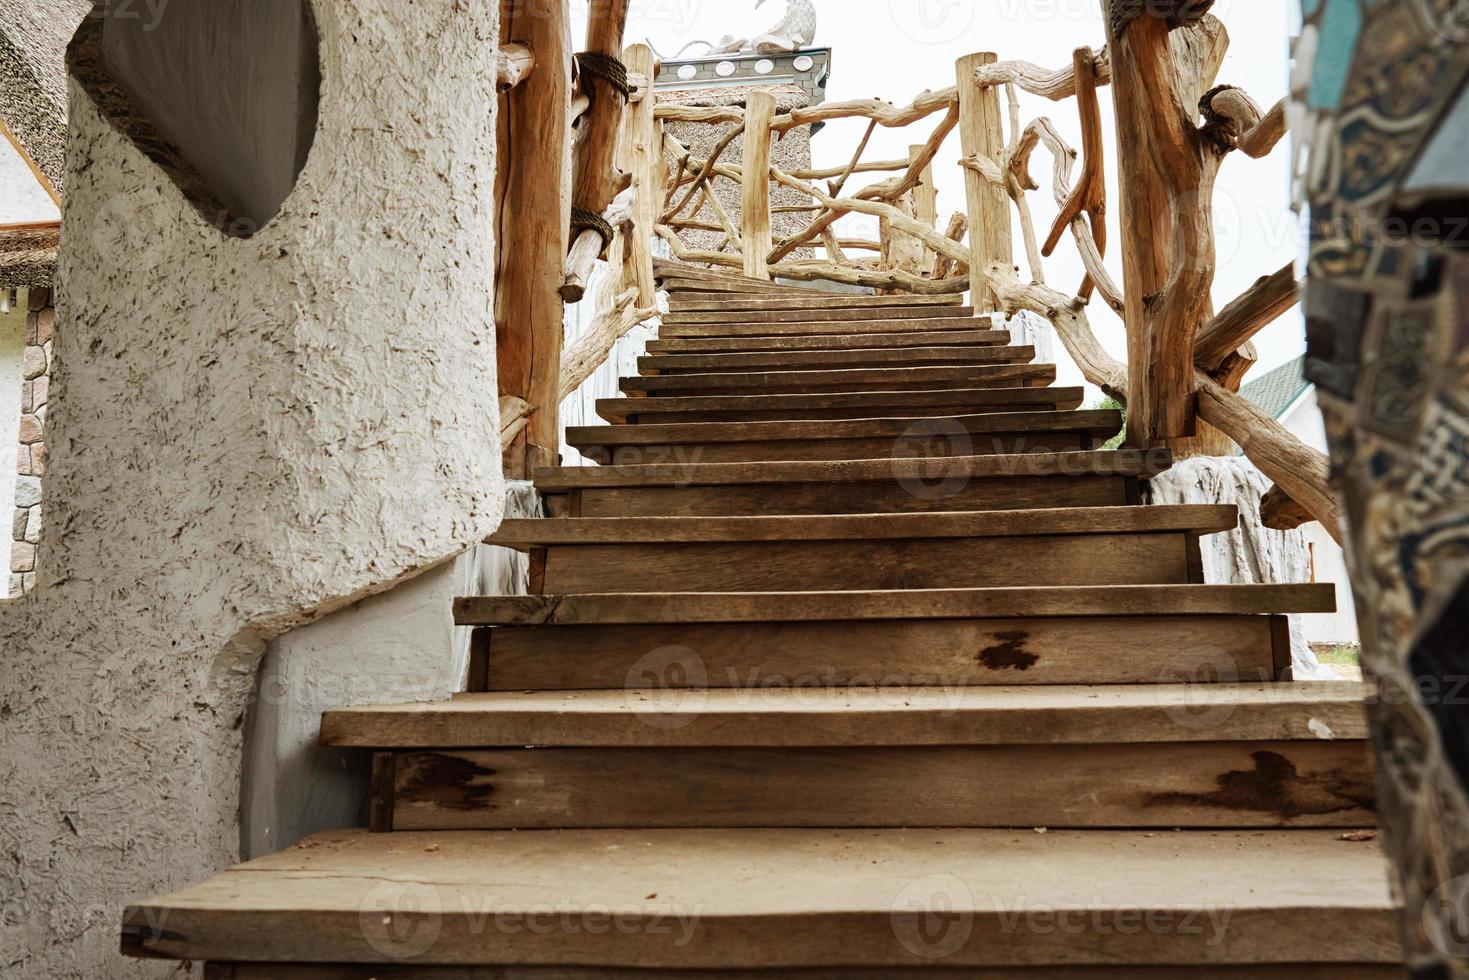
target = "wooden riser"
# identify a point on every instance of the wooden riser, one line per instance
(876, 497)
(1195, 785)
(793, 566)
(856, 379)
(831, 342)
(817, 321)
(868, 357)
(971, 435)
(851, 449)
(880, 486)
(773, 900)
(865, 405)
(282, 971)
(833, 303)
(946, 653)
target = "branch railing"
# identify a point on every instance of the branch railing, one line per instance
(637, 183)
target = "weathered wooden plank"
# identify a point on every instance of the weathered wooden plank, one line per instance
(893, 563)
(1096, 650)
(787, 898)
(829, 302)
(1122, 462)
(1097, 423)
(730, 345)
(675, 323)
(283, 971)
(1198, 518)
(1247, 783)
(838, 405)
(851, 379)
(869, 357)
(793, 717)
(922, 442)
(755, 187)
(906, 495)
(1020, 603)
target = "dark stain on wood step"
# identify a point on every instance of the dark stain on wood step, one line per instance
(1276, 786)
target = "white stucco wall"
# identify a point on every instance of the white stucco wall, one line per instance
(12, 354)
(1304, 420)
(247, 435)
(22, 198)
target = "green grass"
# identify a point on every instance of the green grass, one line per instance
(1338, 655)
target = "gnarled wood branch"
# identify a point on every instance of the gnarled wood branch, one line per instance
(1296, 468)
(883, 113)
(590, 350)
(513, 63)
(1068, 316)
(1261, 304)
(1089, 196)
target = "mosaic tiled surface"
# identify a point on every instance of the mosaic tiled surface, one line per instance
(1388, 324)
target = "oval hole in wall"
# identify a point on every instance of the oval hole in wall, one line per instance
(221, 94)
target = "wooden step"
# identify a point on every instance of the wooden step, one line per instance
(1099, 649)
(839, 405)
(1005, 636)
(826, 302)
(882, 486)
(342, 971)
(869, 357)
(792, 757)
(863, 717)
(832, 342)
(783, 899)
(814, 322)
(1006, 603)
(1083, 546)
(855, 379)
(685, 288)
(735, 442)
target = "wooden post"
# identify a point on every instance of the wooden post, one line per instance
(926, 210)
(1166, 186)
(755, 198)
(982, 134)
(639, 155)
(597, 178)
(534, 191)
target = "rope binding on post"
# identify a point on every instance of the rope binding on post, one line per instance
(607, 67)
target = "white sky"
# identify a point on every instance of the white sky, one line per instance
(894, 49)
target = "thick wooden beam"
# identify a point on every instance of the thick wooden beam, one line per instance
(755, 188)
(1168, 249)
(925, 210)
(1294, 467)
(640, 154)
(598, 180)
(982, 134)
(534, 191)
(1255, 308)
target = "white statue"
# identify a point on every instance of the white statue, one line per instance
(795, 31)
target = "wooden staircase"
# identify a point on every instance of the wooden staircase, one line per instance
(856, 659)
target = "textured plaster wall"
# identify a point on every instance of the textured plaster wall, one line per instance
(12, 352)
(247, 434)
(399, 646)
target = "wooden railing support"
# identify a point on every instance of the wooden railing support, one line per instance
(534, 192)
(755, 187)
(598, 180)
(925, 209)
(640, 154)
(981, 132)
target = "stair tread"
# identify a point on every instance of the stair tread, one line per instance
(994, 603)
(864, 716)
(831, 342)
(1122, 462)
(827, 301)
(772, 898)
(1198, 518)
(809, 323)
(620, 409)
(1103, 423)
(823, 360)
(893, 376)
